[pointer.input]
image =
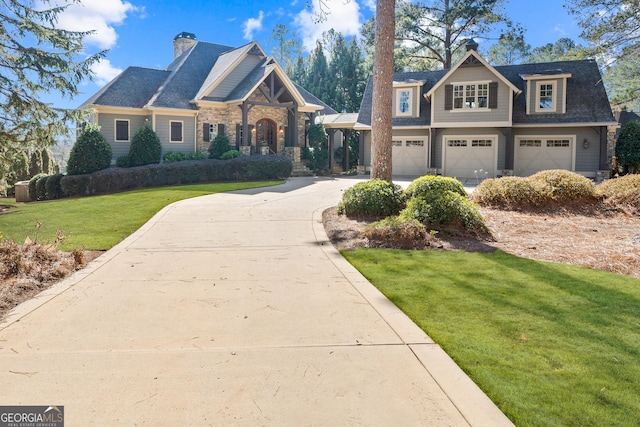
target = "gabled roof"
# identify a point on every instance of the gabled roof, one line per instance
(224, 65)
(623, 117)
(472, 55)
(312, 99)
(194, 73)
(587, 100)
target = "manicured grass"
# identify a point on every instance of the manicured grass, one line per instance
(550, 344)
(100, 222)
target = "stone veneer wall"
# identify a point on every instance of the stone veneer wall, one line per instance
(231, 115)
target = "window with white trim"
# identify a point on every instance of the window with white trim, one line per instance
(403, 102)
(481, 142)
(122, 130)
(544, 101)
(558, 143)
(396, 143)
(470, 96)
(415, 143)
(530, 143)
(457, 142)
(176, 131)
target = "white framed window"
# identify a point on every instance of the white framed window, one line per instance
(530, 143)
(403, 102)
(396, 143)
(415, 143)
(481, 142)
(122, 130)
(545, 96)
(471, 96)
(558, 143)
(176, 131)
(457, 143)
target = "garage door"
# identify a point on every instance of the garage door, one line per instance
(470, 157)
(409, 157)
(542, 153)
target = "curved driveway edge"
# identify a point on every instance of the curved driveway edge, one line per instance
(232, 309)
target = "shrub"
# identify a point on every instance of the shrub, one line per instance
(397, 233)
(231, 154)
(563, 185)
(171, 157)
(90, 153)
(122, 162)
(429, 186)
(628, 147)
(317, 154)
(623, 192)
(509, 192)
(450, 207)
(145, 147)
(219, 146)
(40, 187)
(52, 187)
(376, 198)
(244, 168)
(32, 186)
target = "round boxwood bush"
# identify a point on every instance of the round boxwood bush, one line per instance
(90, 153)
(219, 146)
(448, 207)
(376, 198)
(563, 185)
(429, 186)
(145, 147)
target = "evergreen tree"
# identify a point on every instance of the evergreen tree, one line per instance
(145, 146)
(562, 50)
(628, 147)
(318, 81)
(511, 49)
(37, 58)
(90, 153)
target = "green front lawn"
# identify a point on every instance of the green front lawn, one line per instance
(550, 344)
(100, 222)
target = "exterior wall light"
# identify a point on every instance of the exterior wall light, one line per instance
(585, 144)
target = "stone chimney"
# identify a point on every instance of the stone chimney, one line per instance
(182, 42)
(471, 45)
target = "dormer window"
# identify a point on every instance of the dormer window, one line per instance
(403, 102)
(545, 97)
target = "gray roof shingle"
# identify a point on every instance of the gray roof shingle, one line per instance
(587, 100)
(134, 87)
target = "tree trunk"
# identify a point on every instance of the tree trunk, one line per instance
(381, 114)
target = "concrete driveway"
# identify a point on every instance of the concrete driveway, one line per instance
(232, 309)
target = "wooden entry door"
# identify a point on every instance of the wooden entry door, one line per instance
(267, 134)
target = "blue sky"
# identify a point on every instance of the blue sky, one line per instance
(140, 32)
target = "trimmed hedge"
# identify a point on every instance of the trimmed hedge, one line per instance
(244, 168)
(171, 157)
(546, 188)
(430, 186)
(397, 233)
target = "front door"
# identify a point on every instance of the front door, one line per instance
(266, 135)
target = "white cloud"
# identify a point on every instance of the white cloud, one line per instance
(558, 29)
(343, 17)
(104, 72)
(99, 16)
(371, 4)
(251, 25)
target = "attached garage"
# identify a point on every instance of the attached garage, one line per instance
(409, 156)
(534, 154)
(470, 157)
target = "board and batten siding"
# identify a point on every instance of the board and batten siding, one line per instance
(477, 74)
(163, 126)
(224, 88)
(107, 123)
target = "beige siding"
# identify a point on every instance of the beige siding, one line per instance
(472, 74)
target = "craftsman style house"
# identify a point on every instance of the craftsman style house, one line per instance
(208, 90)
(480, 121)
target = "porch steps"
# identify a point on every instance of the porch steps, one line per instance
(299, 169)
